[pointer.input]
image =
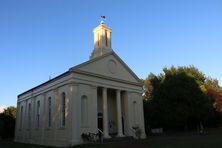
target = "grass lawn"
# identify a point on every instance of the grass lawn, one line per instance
(181, 140)
(11, 144)
(176, 141)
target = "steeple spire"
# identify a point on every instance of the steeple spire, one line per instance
(102, 39)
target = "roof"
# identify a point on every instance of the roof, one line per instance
(83, 64)
(45, 83)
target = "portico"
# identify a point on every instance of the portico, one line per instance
(119, 117)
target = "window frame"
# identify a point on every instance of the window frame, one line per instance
(38, 114)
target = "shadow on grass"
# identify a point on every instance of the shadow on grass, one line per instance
(211, 139)
(9, 143)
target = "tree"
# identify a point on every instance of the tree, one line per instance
(213, 84)
(10, 111)
(216, 98)
(174, 99)
(149, 85)
(7, 122)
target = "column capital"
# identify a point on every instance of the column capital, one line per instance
(94, 86)
(104, 88)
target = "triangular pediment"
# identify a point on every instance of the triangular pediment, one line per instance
(109, 65)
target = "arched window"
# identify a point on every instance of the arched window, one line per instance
(106, 38)
(63, 110)
(135, 112)
(21, 117)
(49, 111)
(84, 111)
(98, 39)
(38, 114)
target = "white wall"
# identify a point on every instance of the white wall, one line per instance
(75, 86)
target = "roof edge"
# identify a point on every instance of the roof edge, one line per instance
(45, 83)
(91, 60)
(107, 54)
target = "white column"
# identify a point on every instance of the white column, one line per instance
(105, 114)
(119, 114)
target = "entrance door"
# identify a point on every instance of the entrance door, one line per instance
(100, 121)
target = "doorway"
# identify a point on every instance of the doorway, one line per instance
(100, 121)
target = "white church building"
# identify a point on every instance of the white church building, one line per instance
(102, 94)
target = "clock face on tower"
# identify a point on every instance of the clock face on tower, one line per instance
(112, 66)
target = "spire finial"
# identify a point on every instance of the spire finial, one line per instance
(103, 18)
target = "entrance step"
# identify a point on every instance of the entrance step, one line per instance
(119, 139)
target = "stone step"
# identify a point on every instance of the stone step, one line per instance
(119, 139)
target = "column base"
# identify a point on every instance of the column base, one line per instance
(107, 136)
(120, 135)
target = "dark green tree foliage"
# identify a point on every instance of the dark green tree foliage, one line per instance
(7, 122)
(174, 100)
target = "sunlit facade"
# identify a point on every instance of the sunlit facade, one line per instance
(102, 94)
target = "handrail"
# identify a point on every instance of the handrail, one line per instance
(133, 130)
(100, 131)
(101, 138)
(137, 132)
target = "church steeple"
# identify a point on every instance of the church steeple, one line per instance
(102, 40)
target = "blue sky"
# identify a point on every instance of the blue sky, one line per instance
(42, 38)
